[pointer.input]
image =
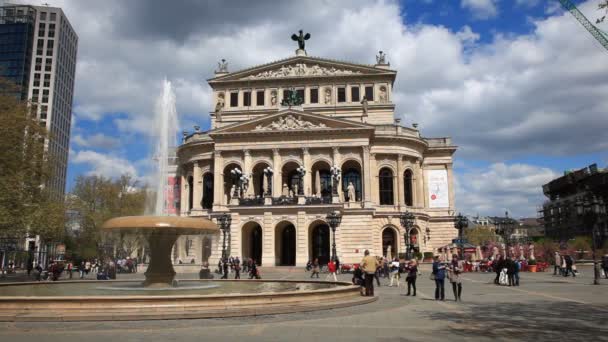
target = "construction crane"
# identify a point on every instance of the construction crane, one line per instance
(595, 32)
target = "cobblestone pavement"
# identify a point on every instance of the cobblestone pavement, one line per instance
(543, 308)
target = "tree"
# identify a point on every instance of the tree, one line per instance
(27, 206)
(480, 235)
(97, 199)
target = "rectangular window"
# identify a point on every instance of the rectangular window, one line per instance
(36, 76)
(285, 93)
(53, 16)
(42, 15)
(49, 52)
(43, 115)
(47, 67)
(247, 98)
(36, 83)
(234, 99)
(260, 97)
(40, 43)
(300, 93)
(47, 77)
(341, 94)
(35, 91)
(50, 44)
(314, 95)
(354, 94)
(369, 93)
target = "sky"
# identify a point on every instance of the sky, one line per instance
(519, 85)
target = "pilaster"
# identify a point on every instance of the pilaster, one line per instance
(367, 180)
(218, 181)
(247, 171)
(400, 183)
(277, 179)
(337, 157)
(308, 176)
(374, 178)
(197, 184)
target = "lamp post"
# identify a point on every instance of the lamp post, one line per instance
(592, 210)
(461, 222)
(301, 172)
(407, 222)
(505, 229)
(333, 219)
(224, 220)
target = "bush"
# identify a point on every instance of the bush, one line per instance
(532, 262)
(428, 255)
(418, 256)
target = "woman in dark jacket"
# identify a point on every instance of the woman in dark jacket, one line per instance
(412, 274)
(439, 273)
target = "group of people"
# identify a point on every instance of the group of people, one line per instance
(372, 268)
(234, 265)
(507, 271)
(564, 265)
(452, 270)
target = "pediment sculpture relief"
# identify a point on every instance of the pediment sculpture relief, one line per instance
(289, 122)
(301, 69)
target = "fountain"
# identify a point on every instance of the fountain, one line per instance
(158, 297)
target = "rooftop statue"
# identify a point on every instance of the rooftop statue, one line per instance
(301, 39)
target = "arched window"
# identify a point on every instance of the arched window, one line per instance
(294, 180)
(351, 175)
(208, 190)
(407, 188)
(386, 187)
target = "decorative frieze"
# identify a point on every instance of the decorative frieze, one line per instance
(301, 70)
(289, 122)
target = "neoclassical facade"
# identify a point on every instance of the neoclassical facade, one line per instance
(297, 138)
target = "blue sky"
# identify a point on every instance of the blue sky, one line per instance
(517, 84)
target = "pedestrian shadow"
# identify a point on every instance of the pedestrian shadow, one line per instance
(538, 321)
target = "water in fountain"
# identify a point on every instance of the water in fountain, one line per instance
(166, 127)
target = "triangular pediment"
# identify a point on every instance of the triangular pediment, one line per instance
(291, 121)
(302, 66)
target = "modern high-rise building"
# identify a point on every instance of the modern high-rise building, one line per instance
(38, 49)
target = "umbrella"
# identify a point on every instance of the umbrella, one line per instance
(478, 254)
(318, 184)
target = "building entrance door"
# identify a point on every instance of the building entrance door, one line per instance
(288, 246)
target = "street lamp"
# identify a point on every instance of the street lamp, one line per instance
(224, 220)
(407, 222)
(301, 172)
(505, 229)
(461, 222)
(333, 219)
(592, 210)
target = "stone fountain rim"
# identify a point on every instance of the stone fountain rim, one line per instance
(341, 287)
(178, 223)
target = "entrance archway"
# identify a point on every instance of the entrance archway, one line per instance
(291, 178)
(285, 244)
(252, 242)
(230, 181)
(319, 245)
(390, 238)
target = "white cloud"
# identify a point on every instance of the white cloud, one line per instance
(500, 187)
(481, 9)
(104, 164)
(96, 141)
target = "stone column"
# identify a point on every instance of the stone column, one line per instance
(183, 204)
(367, 180)
(336, 160)
(374, 178)
(218, 181)
(197, 184)
(308, 176)
(400, 183)
(277, 178)
(247, 171)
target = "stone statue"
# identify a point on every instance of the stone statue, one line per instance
(352, 196)
(233, 192)
(531, 251)
(290, 193)
(327, 96)
(389, 254)
(301, 39)
(285, 191)
(273, 98)
(381, 58)
(295, 189)
(222, 66)
(364, 104)
(219, 107)
(495, 253)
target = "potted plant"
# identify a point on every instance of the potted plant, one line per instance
(532, 265)
(428, 256)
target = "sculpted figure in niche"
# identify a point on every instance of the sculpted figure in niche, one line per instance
(273, 98)
(233, 192)
(364, 104)
(285, 191)
(219, 106)
(351, 192)
(382, 96)
(327, 96)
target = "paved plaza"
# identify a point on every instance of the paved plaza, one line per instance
(543, 308)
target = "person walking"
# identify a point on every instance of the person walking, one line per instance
(454, 276)
(70, 269)
(237, 270)
(315, 268)
(225, 269)
(510, 266)
(557, 268)
(516, 272)
(412, 274)
(81, 269)
(331, 267)
(378, 270)
(498, 264)
(605, 265)
(439, 276)
(569, 263)
(394, 272)
(369, 265)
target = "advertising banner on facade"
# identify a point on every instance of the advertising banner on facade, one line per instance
(437, 184)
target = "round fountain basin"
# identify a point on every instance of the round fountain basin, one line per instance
(108, 300)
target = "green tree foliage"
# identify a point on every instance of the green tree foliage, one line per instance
(480, 235)
(27, 206)
(97, 199)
